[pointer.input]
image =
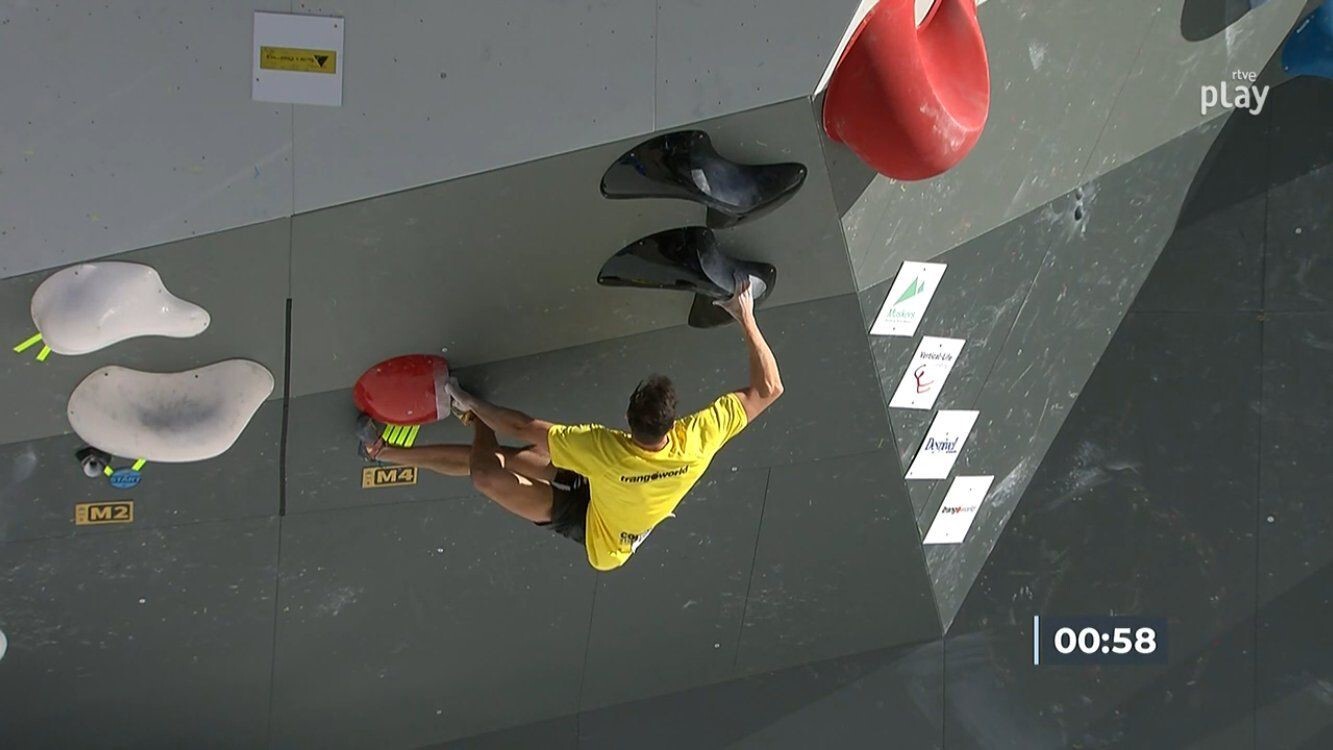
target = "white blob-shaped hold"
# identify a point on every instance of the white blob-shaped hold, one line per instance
(91, 306)
(4, 644)
(168, 417)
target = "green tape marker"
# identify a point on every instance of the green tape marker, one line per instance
(26, 345)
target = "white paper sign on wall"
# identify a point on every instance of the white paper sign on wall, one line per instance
(944, 441)
(297, 59)
(908, 299)
(925, 376)
(960, 506)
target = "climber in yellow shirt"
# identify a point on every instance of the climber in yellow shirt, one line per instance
(601, 487)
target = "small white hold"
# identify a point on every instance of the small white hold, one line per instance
(143, 601)
(4, 644)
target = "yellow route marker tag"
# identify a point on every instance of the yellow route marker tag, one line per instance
(96, 514)
(28, 343)
(388, 476)
(298, 60)
(399, 435)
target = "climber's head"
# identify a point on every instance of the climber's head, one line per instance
(652, 410)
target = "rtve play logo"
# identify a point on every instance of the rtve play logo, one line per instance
(1234, 95)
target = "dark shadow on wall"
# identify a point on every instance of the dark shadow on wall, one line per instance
(1228, 200)
(848, 175)
(1302, 695)
(1204, 19)
(872, 699)
(1151, 501)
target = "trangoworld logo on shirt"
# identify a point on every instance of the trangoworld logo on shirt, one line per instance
(642, 478)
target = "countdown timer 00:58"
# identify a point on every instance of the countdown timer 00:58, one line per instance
(1093, 639)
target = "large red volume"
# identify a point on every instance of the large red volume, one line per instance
(404, 390)
(911, 102)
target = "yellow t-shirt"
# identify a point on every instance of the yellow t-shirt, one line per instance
(631, 488)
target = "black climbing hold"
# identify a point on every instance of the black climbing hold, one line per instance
(684, 165)
(687, 260)
(93, 461)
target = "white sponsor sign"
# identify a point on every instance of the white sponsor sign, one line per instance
(944, 441)
(961, 504)
(925, 376)
(297, 59)
(908, 299)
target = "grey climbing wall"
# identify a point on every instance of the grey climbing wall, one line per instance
(1077, 89)
(504, 264)
(1186, 482)
(130, 152)
(149, 637)
(760, 531)
(1037, 301)
(265, 598)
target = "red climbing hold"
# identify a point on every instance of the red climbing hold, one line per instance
(911, 101)
(404, 390)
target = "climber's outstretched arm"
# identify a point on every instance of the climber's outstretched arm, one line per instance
(765, 381)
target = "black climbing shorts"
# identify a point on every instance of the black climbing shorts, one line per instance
(569, 513)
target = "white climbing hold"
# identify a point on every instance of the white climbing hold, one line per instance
(168, 417)
(4, 644)
(91, 306)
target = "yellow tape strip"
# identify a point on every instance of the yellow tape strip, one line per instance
(43, 354)
(400, 435)
(138, 464)
(298, 59)
(108, 470)
(26, 345)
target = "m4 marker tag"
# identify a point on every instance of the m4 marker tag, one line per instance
(388, 476)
